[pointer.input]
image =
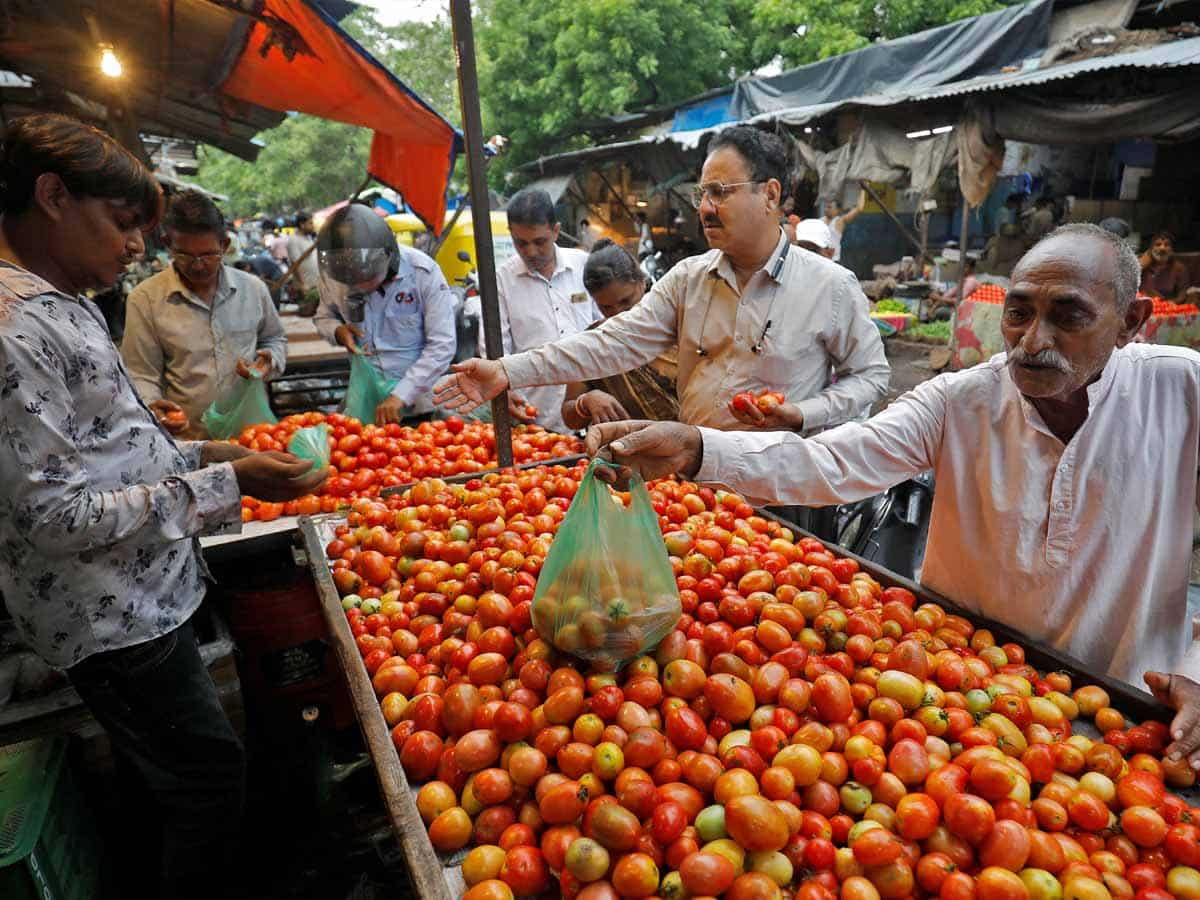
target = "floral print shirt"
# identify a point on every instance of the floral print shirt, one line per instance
(99, 508)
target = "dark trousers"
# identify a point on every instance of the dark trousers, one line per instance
(178, 760)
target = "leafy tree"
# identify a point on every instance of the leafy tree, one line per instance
(803, 32)
(308, 162)
(548, 68)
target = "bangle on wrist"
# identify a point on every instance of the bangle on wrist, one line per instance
(579, 411)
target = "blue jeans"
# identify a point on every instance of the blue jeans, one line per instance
(178, 759)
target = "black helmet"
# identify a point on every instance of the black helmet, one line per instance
(356, 246)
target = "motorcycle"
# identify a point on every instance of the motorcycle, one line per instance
(890, 528)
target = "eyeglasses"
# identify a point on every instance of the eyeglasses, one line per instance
(717, 192)
(188, 258)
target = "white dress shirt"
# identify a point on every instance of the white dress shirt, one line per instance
(808, 313)
(535, 310)
(1085, 546)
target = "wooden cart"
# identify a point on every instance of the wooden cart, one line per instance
(438, 877)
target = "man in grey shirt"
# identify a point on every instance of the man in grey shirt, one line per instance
(192, 330)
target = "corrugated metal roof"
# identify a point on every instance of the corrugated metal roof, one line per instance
(1173, 54)
(1161, 56)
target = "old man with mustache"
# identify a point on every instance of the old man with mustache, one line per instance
(1066, 471)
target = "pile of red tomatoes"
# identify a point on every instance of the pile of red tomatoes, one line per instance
(1166, 309)
(366, 458)
(804, 732)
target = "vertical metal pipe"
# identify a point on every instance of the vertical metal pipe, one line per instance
(485, 260)
(964, 236)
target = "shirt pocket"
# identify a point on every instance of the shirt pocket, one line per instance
(782, 358)
(403, 327)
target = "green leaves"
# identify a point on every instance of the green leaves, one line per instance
(817, 29)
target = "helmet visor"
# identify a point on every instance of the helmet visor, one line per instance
(354, 267)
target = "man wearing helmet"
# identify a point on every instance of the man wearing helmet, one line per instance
(385, 300)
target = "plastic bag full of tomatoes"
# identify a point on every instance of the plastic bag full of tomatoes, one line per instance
(606, 592)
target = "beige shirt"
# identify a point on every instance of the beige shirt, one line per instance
(809, 314)
(535, 310)
(179, 348)
(309, 274)
(1085, 546)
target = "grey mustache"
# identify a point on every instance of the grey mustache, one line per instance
(1048, 357)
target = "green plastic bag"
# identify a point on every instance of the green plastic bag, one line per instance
(606, 592)
(312, 444)
(245, 405)
(367, 389)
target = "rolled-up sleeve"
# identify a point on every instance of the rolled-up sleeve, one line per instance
(47, 486)
(859, 361)
(140, 346)
(440, 339)
(847, 463)
(271, 336)
(621, 344)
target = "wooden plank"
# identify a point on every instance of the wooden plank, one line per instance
(1133, 703)
(431, 878)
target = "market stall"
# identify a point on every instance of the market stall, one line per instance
(449, 787)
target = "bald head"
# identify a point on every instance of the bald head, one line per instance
(1093, 256)
(1072, 301)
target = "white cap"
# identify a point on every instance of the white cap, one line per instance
(814, 231)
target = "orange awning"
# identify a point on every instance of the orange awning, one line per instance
(296, 58)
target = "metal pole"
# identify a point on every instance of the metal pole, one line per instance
(964, 235)
(485, 260)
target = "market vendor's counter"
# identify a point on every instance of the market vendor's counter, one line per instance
(979, 337)
(438, 876)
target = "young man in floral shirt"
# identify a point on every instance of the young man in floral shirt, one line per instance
(100, 510)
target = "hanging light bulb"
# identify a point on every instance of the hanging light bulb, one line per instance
(109, 64)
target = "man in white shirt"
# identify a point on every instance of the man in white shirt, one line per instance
(542, 298)
(1066, 471)
(752, 314)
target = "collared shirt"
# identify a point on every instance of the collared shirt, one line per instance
(818, 325)
(408, 325)
(99, 508)
(179, 348)
(1085, 546)
(535, 310)
(308, 274)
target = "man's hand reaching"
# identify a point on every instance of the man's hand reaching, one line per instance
(651, 449)
(471, 383)
(1183, 695)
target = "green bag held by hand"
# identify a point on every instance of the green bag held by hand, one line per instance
(245, 405)
(368, 388)
(311, 443)
(606, 592)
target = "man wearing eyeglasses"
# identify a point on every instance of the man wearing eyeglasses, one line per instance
(748, 315)
(193, 329)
